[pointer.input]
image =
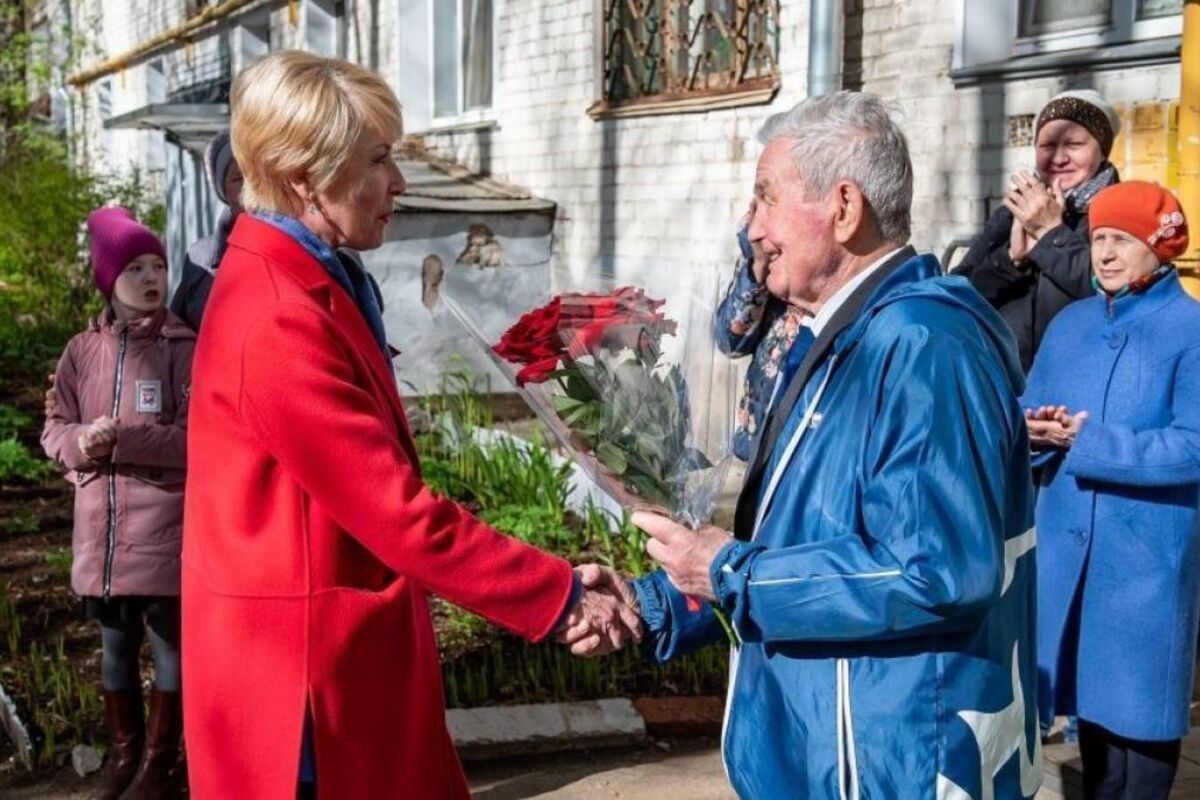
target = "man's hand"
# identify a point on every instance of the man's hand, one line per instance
(98, 439)
(685, 554)
(1053, 427)
(605, 618)
(1037, 207)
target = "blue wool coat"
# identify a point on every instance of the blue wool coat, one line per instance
(886, 602)
(1119, 554)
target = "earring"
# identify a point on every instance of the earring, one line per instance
(312, 208)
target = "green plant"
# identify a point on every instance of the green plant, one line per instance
(540, 526)
(13, 421)
(21, 522)
(59, 559)
(17, 463)
(10, 622)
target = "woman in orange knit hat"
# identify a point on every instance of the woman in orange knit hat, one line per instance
(1113, 409)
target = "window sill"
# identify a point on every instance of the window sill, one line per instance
(458, 126)
(1144, 53)
(756, 93)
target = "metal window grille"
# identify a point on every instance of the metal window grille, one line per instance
(668, 49)
(200, 73)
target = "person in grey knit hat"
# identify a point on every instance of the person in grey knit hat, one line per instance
(1033, 257)
(203, 255)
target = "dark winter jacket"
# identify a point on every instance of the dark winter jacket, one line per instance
(1058, 271)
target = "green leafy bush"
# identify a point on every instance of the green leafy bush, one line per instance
(18, 464)
(13, 421)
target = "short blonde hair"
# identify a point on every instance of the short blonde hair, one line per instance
(299, 115)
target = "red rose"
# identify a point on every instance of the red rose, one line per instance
(575, 324)
(533, 341)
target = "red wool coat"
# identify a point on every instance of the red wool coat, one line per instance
(310, 543)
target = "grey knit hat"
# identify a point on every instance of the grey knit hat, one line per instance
(218, 155)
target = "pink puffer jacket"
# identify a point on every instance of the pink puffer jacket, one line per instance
(128, 508)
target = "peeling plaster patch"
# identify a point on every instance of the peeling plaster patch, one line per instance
(431, 281)
(482, 249)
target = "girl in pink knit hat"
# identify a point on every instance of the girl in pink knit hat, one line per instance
(118, 425)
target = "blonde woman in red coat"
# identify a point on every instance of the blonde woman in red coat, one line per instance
(310, 541)
(118, 425)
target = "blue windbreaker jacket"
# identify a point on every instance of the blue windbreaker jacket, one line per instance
(886, 602)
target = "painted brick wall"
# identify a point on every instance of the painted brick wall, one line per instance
(640, 195)
(902, 50)
(636, 195)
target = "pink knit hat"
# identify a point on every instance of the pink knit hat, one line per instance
(117, 239)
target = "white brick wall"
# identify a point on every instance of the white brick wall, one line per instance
(669, 190)
(958, 136)
(648, 195)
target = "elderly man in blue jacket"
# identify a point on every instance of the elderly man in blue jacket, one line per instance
(880, 575)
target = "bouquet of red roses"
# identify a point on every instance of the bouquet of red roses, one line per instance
(592, 366)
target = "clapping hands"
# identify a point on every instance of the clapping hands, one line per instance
(1053, 427)
(606, 617)
(1037, 209)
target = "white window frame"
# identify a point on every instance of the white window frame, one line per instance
(335, 11)
(475, 117)
(246, 43)
(1122, 27)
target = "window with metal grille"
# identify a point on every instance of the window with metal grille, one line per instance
(688, 52)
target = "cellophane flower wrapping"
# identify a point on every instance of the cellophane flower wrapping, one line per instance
(628, 380)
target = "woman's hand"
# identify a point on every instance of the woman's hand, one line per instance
(1038, 208)
(98, 439)
(1018, 243)
(606, 618)
(1053, 427)
(758, 267)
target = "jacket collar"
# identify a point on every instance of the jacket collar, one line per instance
(907, 268)
(265, 239)
(901, 269)
(288, 255)
(1135, 305)
(160, 323)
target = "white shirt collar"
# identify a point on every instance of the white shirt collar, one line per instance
(818, 321)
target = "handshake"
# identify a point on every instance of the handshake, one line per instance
(606, 616)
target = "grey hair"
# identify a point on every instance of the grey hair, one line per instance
(850, 136)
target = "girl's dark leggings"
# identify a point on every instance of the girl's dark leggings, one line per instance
(121, 641)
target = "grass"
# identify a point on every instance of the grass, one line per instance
(61, 707)
(520, 489)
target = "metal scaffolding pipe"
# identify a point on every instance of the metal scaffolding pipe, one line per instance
(826, 19)
(1189, 142)
(168, 39)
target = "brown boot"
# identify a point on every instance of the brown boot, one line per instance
(155, 778)
(126, 729)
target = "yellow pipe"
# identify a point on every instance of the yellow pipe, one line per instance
(1189, 142)
(179, 34)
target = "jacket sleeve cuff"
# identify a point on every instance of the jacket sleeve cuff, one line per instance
(675, 623)
(572, 601)
(730, 574)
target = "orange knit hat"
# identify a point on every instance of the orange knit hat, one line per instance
(1145, 210)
